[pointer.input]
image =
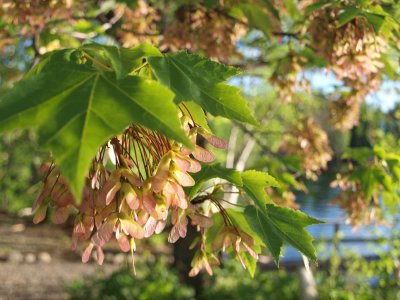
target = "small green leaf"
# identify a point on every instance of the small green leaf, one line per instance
(255, 182)
(289, 224)
(256, 18)
(348, 14)
(214, 171)
(375, 20)
(239, 220)
(124, 60)
(268, 4)
(318, 5)
(291, 7)
(198, 114)
(360, 154)
(192, 77)
(250, 262)
(276, 224)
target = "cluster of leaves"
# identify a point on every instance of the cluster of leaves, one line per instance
(145, 110)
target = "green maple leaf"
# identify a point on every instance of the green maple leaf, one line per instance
(276, 225)
(124, 60)
(255, 182)
(77, 108)
(198, 114)
(192, 77)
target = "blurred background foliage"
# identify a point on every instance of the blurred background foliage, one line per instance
(343, 276)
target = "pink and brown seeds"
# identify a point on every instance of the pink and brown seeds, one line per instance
(135, 182)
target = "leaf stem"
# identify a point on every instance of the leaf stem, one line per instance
(100, 64)
(140, 67)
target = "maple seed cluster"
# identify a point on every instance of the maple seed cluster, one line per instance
(353, 52)
(138, 24)
(197, 28)
(309, 141)
(359, 209)
(286, 78)
(132, 199)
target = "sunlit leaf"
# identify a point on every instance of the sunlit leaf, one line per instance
(198, 79)
(276, 225)
(124, 60)
(255, 182)
(77, 109)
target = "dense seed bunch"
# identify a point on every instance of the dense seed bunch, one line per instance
(199, 29)
(134, 187)
(345, 112)
(353, 53)
(33, 15)
(359, 209)
(309, 141)
(139, 25)
(353, 50)
(356, 53)
(286, 78)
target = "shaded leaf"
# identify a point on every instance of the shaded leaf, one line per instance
(198, 114)
(317, 5)
(257, 18)
(376, 20)
(348, 14)
(260, 223)
(268, 4)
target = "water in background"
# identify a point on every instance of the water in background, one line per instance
(317, 204)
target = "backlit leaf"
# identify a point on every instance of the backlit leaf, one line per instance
(255, 182)
(276, 225)
(194, 78)
(124, 60)
(78, 108)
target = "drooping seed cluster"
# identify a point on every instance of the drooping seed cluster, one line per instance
(353, 52)
(134, 187)
(287, 80)
(138, 25)
(352, 199)
(200, 29)
(311, 142)
(32, 15)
